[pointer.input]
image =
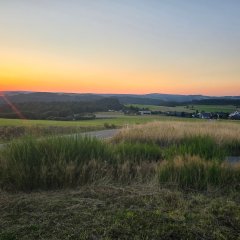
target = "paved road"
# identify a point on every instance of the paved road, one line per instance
(101, 134)
(233, 160)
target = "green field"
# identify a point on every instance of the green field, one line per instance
(190, 108)
(162, 108)
(215, 108)
(118, 121)
(15, 128)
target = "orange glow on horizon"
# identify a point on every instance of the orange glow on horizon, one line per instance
(34, 71)
(121, 47)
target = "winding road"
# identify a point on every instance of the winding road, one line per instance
(101, 134)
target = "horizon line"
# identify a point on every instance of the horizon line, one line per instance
(139, 94)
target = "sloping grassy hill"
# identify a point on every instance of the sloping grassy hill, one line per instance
(160, 180)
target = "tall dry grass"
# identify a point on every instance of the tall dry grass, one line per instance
(185, 154)
(166, 133)
(59, 162)
(208, 139)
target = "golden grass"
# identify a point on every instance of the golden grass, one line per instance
(194, 153)
(174, 131)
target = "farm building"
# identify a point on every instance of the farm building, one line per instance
(145, 112)
(204, 115)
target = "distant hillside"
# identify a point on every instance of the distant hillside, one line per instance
(156, 98)
(58, 110)
(50, 97)
(148, 99)
(217, 101)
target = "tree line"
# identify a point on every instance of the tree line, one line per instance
(59, 110)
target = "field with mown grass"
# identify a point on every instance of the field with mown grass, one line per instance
(82, 123)
(116, 212)
(121, 120)
(216, 108)
(158, 180)
(162, 108)
(190, 108)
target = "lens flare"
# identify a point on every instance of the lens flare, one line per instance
(12, 106)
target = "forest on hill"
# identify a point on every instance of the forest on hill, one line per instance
(59, 110)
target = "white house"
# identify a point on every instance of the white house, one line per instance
(235, 115)
(145, 112)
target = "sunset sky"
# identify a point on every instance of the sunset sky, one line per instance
(121, 46)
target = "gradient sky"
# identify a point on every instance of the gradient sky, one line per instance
(121, 46)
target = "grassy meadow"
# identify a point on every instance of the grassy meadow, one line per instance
(216, 108)
(162, 108)
(157, 180)
(189, 108)
(119, 120)
(15, 128)
(156, 151)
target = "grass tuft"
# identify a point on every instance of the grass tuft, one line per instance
(197, 174)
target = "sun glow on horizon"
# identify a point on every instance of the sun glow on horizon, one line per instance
(84, 48)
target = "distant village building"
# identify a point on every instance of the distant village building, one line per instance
(145, 113)
(235, 115)
(204, 115)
